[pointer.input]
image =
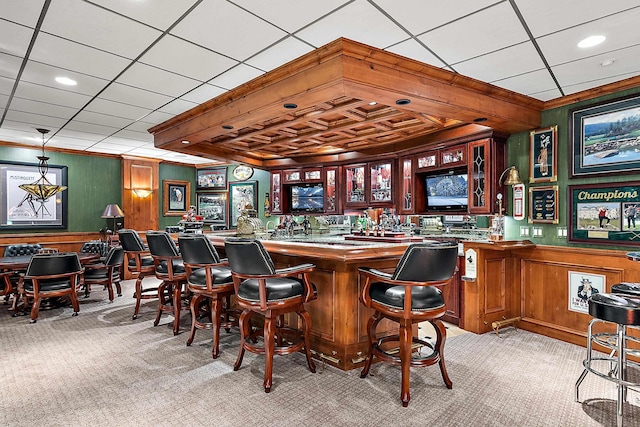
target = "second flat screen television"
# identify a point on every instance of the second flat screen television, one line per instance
(306, 198)
(447, 191)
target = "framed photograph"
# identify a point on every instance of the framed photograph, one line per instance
(175, 197)
(214, 207)
(20, 210)
(543, 157)
(605, 137)
(242, 172)
(604, 213)
(543, 204)
(212, 178)
(581, 286)
(242, 195)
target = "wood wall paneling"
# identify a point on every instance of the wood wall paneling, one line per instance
(141, 213)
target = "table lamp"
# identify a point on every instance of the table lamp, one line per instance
(113, 211)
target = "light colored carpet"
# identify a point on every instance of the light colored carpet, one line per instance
(104, 369)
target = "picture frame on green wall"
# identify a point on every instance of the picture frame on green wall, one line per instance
(242, 195)
(19, 210)
(605, 137)
(543, 157)
(176, 197)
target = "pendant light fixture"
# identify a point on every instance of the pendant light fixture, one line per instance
(42, 189)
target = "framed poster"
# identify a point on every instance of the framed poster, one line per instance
(242, 172)
(604, 213)
(213, 207)
(581, 287)
(20, 210)
(543, 157)
(242, 195)
(543, 204)
(605, 137)
(175, 197)
(212, 178)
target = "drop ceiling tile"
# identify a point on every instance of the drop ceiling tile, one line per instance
(94, 26)
(223, 27)
(134, 96)
(66, 54)
(105, 149)
(9, 67)
(359, 21)
(34, 120)
(155, 117)
(203, 93)
(621, 31)
(236, 76)
(138, 136)
(99, 130)
(283, 52)
(122, 142)
(186, 59)
(418, 16)
(153, 79)
(569, 89)
(14, 38)
(68, 142)
(414, 50)
(22, 12)
(30, 128)
(117, 109)
(158, 13)
(51, 95)
(511, 61)
(139, 126)
(290, 15)
(178, 106)
(102, 119)
(547, 16)
(474, 35)
(42, 74)
(528, 83)
(86, 137)
(547, 95)
(37, 107)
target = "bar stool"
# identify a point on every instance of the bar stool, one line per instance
(623, 310)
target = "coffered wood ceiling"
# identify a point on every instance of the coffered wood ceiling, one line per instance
(348, 100)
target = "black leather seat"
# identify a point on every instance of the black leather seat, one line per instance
(169, 267)
(409, 296)
(52, 275)
(630, 288)
(208, 277)
(106, 273)
(271, 292)
(95, 247)
(139, 262)
(22, 249)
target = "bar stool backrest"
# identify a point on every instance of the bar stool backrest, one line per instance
(247, 256)
(197, 249)
(430, 261)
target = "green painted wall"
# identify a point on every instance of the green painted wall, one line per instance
(174, 172)
(518, 155)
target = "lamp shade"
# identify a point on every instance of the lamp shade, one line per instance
(112, 211)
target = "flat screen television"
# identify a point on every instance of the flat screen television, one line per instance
(306, 198)
(447, 191)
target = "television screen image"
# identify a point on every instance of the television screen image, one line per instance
(447, 191)
(308, 198)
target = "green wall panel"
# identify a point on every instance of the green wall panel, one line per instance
(174, 172)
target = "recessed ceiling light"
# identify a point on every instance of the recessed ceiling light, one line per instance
(607, 62)
(403, 101)
(228, 127)
(185, 141)
(66, 81)
(373, 103)
(290, 106)
(591, 41)
(480, 119)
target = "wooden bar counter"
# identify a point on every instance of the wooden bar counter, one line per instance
(339, 320)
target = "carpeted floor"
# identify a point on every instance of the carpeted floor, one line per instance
(104, 369)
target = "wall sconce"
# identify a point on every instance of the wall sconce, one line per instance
(142, 193)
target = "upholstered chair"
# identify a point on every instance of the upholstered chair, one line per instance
(410, 296)
(140, 263)
(105, 273)
(22, 249)
(261, 288)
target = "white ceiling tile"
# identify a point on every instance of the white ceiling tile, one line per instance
(569, 89)
(99, 28)
(203, 93)
(102, 119)
(290, 15)
(359, 21)
(157, 13)
(66, 54)
(20, 120)
(9, 67)
(22, 12)
(51, 95)
(150, 78)
(68, 142)
(414, 50)
(223, 27)
(122, 142)
(14, 38)
(236, 76)
(133, 96)
(100, 130)
(138, 136)
(529, 83)
(546, 16)
(37, 107)
(42, 74)
(6, 85)
(514, 60)
(178, 106)
(283, 52)
(139, 127)
(85, 137)
(546, 95)
(118, 109)
(418, 16)
(621, 31)
(474, 35)
(155, 117)
(187, 59)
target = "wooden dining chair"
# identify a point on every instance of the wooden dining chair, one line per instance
(140, 263)
(105, 273)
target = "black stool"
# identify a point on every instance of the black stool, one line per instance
(624, 311)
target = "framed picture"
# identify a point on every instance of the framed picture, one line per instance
(605, 213)
(543, 157)
(605, 137)
(543, 204)
(212, 178)
(175, 197)
(242, 195)
(214, 207)
(20, 209)
(581, 286)
(242, 172)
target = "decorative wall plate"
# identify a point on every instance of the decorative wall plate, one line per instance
(242, 172)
